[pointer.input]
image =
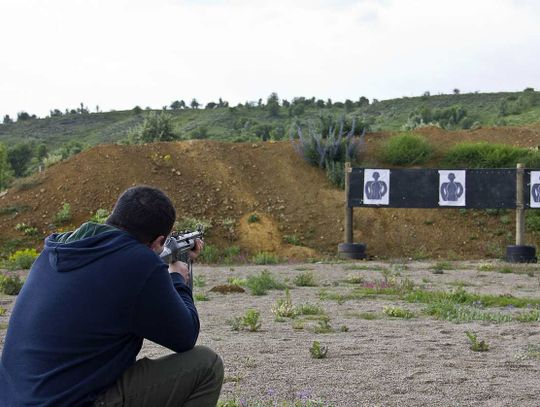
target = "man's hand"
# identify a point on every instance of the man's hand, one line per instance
(194, 253)
(180, 268)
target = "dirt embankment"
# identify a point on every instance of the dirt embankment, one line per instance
(225, 183)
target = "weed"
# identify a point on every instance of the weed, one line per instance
(292, 239)
(265, 258)
(100, 216)
(253, 218)
(237, 281)
(426, 280)
(10, 284)
(230, 254)
(235, 323)
(21, 259)
(343, 328)
(251, 320)
(505, 270)
(303, 269)
(193, 224)
(263, 282)
(354, 280)
(201, 297)
(199, 281)
(317, 350)
(441, 266)
(209, 254)
(63, 216)
(323, 326)
(2, 311)
(13, 210)
(298, 324)
(284, 307)
(461, 283)
(309, 309)
(486, 267)
(305, 279)
(531, 316)
(397, 312)
(26, 229)
(475, 345)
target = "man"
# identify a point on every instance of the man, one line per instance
(90, 298)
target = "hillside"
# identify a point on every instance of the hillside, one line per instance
(225, 183)
(250, 123)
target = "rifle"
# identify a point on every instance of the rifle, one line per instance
(177, 247)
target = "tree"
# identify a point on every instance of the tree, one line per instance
(137, 110)
(272, 104)
(320, 103)
(176, 105)
(194, 104)
(363, 101)
(55, 113)
(5, 169)
(349, 105)
(223, 103)
(22, 116)
(285, 103)
(19, 156)
(456, 91)
(7, 119)
(329, 103)
(211, 105)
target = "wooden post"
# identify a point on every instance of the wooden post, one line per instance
(520, 207)
(348, 210)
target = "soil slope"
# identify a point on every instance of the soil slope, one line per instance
(225, 183)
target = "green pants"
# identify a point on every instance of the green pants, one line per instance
(191, 378)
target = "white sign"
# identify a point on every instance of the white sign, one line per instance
(535, 189)
(376, 187)
(451, 187)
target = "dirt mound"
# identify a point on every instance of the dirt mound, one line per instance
(300, 212)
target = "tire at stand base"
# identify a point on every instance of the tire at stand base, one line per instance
(351, 248)
(352, 255)
(521, 254)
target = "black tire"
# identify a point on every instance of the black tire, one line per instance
(521, 254)
(354, 256)
(351, 248)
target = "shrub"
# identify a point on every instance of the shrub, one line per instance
(265, 258)
(10, 284)
(251, 320)
(260, 284)
(209, 254)
(100, 216)
(191, 224)
(484, 155)
(292, 239)
(284, 307)
(253, 218)
(22, 259)
(406, 149)
(63, 216)
(317, 351)
(305, 279)
(26, 229)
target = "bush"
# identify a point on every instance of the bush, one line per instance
(406, 149)
(22, 259)
(191, 224)
(265, 258)
(305, 279)
(10, 284)
(486, 155)
(209, 254)
(260, 284)
(63, 216)
(100, 216)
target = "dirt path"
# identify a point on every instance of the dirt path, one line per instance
(384, 361)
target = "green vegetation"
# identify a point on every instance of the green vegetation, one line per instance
(10, 284)
(475, 344)
(406, 149)
(253, 218)
(260, 284)
(100, 216)
(305, 279)
(489, 155)
(284, 307)
(265, 258)
(397, 312)
(249, 321)
(318, 351)
(201, 297)
(21, 259)
(26, 229)
(63, 216)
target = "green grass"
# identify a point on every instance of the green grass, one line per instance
(406, 149)
(261, 283)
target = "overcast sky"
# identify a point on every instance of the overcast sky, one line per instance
(122, 53)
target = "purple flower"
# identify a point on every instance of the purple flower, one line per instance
(271, 392)
(303, 394)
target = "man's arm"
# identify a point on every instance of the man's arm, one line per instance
(165, 312)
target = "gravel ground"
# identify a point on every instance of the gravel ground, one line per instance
(381, 362)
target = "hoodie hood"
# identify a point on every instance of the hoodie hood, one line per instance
(90, 242)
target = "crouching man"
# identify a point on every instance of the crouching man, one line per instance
(90, 299)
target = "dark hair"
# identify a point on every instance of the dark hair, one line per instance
(145, 212)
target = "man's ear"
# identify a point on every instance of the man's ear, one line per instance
(157, 244)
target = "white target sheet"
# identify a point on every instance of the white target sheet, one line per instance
(452, 188)
(376, 187)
